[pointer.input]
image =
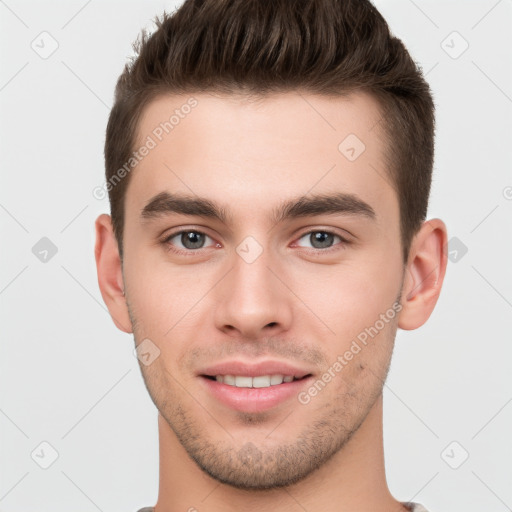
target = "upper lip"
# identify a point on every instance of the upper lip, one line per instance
(268, 367)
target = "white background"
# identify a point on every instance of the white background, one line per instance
(69, 377)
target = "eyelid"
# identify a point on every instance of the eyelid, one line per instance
(329, 229)
(169, 233)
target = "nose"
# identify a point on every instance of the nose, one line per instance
(251, 301)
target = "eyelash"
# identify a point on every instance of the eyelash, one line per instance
(192, 252)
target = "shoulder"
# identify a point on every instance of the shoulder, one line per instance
(413, 507)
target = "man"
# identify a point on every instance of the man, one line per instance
(268, 167)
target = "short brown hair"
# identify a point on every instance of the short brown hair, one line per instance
(329, 47)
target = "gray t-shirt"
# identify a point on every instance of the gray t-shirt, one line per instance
(413, 507)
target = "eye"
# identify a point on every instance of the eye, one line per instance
(186, 241)
(322, 239)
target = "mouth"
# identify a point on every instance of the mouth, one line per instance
(251, 387)
(259, 381)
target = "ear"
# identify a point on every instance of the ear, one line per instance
(110, 273)
(424, 274)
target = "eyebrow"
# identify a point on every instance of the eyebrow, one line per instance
(165, 203)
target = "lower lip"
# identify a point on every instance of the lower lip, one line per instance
(254, 399)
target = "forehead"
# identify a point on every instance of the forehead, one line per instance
(295, 116)
(246, 154)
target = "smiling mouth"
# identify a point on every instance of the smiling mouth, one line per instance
(260, 381)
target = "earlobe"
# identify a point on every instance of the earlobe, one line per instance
(110, 274)
(424, 274)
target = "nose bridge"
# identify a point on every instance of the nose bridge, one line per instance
(251, 297)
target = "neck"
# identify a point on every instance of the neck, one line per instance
(353, 479)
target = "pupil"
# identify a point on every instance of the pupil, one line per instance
(191, 240)
(320, 239)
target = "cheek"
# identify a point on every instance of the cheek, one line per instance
(347, 298)
(163, 296)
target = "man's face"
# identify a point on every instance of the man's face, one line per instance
(253, 296)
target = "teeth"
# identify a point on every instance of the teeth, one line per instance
(262, 381)
(243, 382)
(276, 379)
(229, 379)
